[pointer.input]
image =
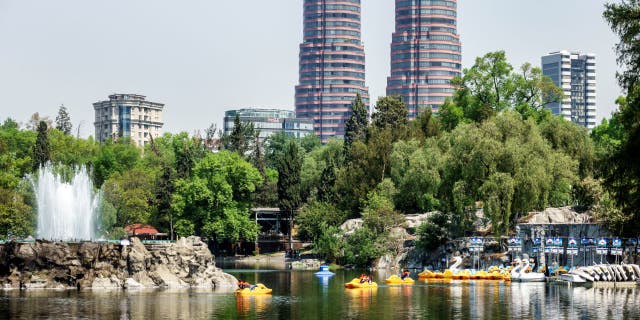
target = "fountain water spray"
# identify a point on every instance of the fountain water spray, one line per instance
(66, 211)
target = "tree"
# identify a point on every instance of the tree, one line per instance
(623, 19)
(289, 168)
(41, 153)
(356, 126)
(315, 217)
(425, 125)
(241, 138)
(35, 120)
(391, 113)
(63, 121)
(533, 91)
(622, 175)
(131, 194)
(113, 157)
(215, 201)
(379, 213)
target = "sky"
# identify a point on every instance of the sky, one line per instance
(202, 57)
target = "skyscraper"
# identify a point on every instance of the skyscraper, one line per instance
(425, 53)
(128, 116)
(332, 70)
(575, 74)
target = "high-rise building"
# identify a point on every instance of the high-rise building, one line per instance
(128, 116)
(575, 74)
(425, 53)
(269, 121)
(332, 70)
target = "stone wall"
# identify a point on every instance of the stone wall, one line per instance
(59, 265)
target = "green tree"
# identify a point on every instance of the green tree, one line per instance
(215, 201)
(131, 193)
(241, 138)
(63, 120)
(391, 113)
(379, 213)
(433, 232)
(315, 217)
(114, 157)
(622, 175)
(289, 168)
(416, 171)
(356, 125)
(425, 125)
(533, 91)
(486, 88)
(362, 247)
(41, 153)
(330, 243)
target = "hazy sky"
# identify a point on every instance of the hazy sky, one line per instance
(202, 57)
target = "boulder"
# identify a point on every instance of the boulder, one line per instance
(562, 215)
(46, 264)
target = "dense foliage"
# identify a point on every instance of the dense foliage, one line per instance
(492, 146)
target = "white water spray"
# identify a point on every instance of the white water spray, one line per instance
(66, 211)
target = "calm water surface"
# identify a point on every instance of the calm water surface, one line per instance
(301, 295)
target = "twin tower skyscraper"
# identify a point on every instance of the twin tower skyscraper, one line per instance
(425, 56)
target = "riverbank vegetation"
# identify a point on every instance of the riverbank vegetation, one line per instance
(493, 145)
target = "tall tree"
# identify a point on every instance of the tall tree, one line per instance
(41, 153)
(289, 169)
(391, 113)
(63, 120)
(622, 176)
(241, 137)
(356, 126)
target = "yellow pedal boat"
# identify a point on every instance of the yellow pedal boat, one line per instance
(394, 279)
(355, 284)
(259, 289)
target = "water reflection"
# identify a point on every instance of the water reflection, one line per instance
(302, 295)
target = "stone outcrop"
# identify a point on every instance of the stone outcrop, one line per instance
(562, 215)
(58, 265)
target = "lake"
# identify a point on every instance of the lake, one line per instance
(302, 295)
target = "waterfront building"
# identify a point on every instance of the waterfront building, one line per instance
(128, 116)
(575, 74)
(425, 53)
(269, 121)
(332, 65)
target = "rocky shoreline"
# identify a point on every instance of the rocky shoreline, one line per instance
(98, 265)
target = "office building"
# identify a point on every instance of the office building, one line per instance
(332, 65)
(575, 74)
(269, 121)
(425, 53)
(128, 116)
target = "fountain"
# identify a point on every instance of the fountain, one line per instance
(66, 210)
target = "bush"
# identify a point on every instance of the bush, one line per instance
(433, 232)
(363, 246)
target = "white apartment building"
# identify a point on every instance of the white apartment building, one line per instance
(128, 116)
(575, 74)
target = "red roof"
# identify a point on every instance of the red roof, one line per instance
(139, 228)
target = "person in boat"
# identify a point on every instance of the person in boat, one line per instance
(405, 274)
(365, 278)
(243, 284)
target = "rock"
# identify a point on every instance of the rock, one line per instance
(161, 276)
(562, 215)
(351, 225)
(106, 283)
(46, 264)
(130, 283)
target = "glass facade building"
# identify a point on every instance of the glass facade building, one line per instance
(332, 65)
(425, 53)
(575, 74)
(269, 121)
